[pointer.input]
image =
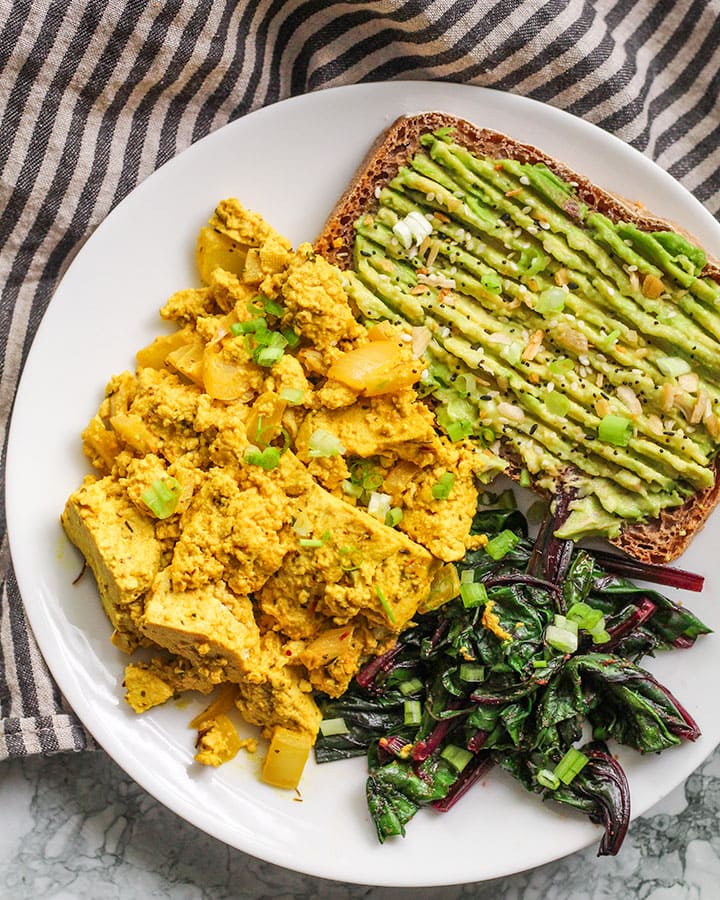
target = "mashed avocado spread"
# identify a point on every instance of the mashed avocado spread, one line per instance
(584, 349)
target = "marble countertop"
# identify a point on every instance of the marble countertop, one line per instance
(75, 826)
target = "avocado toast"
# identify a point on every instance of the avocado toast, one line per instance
(563, 326)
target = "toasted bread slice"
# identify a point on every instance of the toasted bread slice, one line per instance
(657, 540)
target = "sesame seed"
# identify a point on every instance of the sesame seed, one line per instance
(532, 229)
(545, 225)
(524, 180)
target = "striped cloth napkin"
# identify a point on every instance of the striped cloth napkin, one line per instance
(95, 95)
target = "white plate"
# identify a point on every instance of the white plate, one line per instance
(290, 162)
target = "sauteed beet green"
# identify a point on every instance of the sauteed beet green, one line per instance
(543, 640)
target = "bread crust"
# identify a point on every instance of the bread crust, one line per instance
(657, 540)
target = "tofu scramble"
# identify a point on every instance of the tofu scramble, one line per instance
(272, 502)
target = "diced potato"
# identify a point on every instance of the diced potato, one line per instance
(133, 431)
(379, 367)
(188, 360)
(286, 758)
(216, 250)
(223, 380)
(155, 354)
(100, 444)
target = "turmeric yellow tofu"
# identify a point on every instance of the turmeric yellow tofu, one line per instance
(211, 627)
(279, 694)
(118, 543)
(233, 533)
(438, 517)
(351, 563)
(268, 516)
(391, 423)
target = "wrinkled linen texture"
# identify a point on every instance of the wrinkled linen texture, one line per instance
(94, 96)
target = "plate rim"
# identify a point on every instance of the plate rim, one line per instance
(43, 631)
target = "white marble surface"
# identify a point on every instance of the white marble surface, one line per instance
(75, 826)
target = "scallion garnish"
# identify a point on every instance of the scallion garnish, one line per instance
(471, 672)
(551, 301)
(311, 542)
(561, 639)
(473, 594)
(443, 486)
(350, 559)
(293, 396)
(456, 431)
(411, 686)
(324, 443)
(271, 307)
(673, 366)
(547, 779)
(615, 430)
(501, 544)
(328, 727)
(268, 356)
(458, 757)
(162, 496)
(570, 765)
(524, 480)
(557, 404)
(379, 505)
(384, 603)
(394, 517)
(561, 366)
(267, 459)
(412, 712)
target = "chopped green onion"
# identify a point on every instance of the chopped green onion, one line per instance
(394, 517)
(609, 340)
(412, 712)
(384, 603)
(539, 664)
(350, 559)
(162, 496)
(467, 576)
(565, 624)
(442, 487)
(547, 779)
(311, 542)
(492, 282)
(328, 727)
(473, 594)
(271, 307)
(458, 757)
(524, 480)
(600, 637)
(325, 443)
(456, 431)
(411, 686)
(512, 353)
(557, 404)
(268, 356)
(293, 396)
(673, 366)
(551, 301)
(379, 505)
(470, 672)
(487, 435)
(586, 616)
(561, 639)
(250, 326)
(615, 430)
(501, 544)
(352, 490)
(267, 459)
(570, 765)
(292, 337)
(561, 366)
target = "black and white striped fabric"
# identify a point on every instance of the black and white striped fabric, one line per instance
(94, 96)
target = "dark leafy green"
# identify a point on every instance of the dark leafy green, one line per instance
(493, 691)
